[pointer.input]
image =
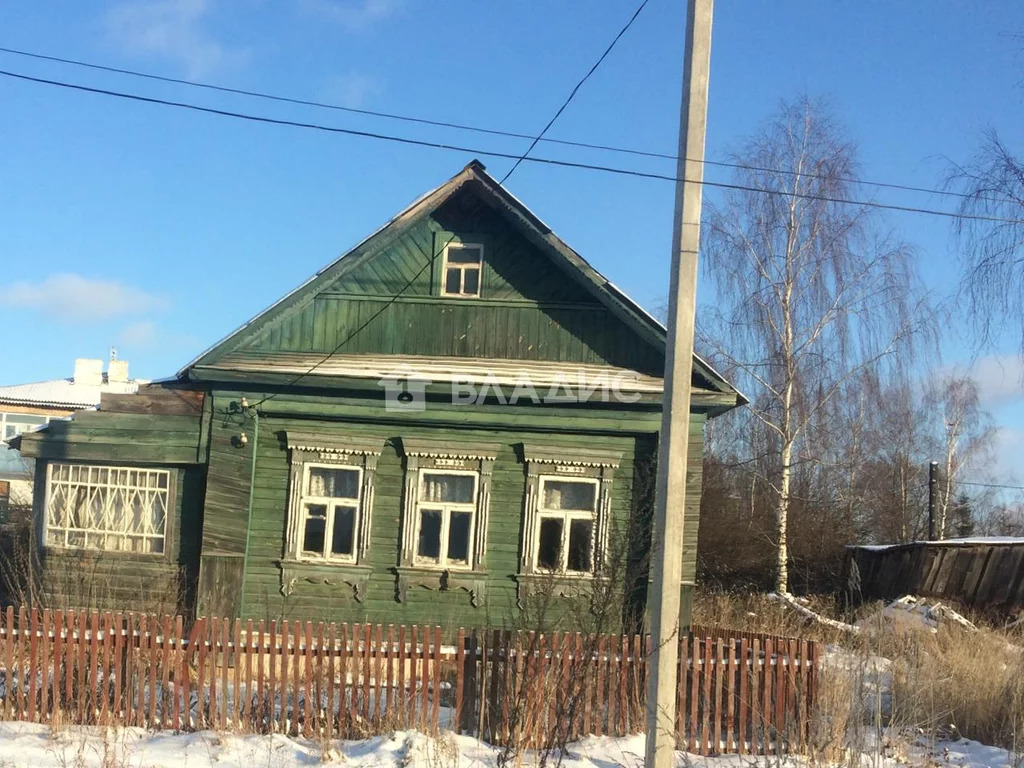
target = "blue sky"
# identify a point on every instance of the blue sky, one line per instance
(159, 231)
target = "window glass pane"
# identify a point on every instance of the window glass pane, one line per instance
(16, 423)
(453, 280)
(472, 281)
(462, 254)
(333, 482)
(430, 534)
(549, 553)
(315, 529)
(458, 537)
(25, 419)
(344, 534)
(567, 494)
(448, 489)
(580, 532)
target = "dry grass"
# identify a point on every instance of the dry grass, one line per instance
(895, 677)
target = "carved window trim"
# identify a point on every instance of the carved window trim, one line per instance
(426, 455)
(317, 450)
(554, 463)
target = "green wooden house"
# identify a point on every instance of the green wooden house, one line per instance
(457, 413)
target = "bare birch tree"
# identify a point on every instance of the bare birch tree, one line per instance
(964, 437)
(993, 256)
(810, 292)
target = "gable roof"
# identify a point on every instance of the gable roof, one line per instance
(528, 224)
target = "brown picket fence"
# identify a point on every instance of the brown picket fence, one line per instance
(746, 694)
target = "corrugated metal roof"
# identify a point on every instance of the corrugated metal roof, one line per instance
(64, 392)
(539, 373)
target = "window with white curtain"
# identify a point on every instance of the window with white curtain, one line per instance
(329, 512)
(107, 508)
(446, 518)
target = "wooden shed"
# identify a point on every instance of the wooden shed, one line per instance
(456, 410)
(986, 573)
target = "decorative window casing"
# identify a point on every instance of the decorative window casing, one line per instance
(567, 514)
(330, 510)
(107, 508)
(462, 270)
(445, 510)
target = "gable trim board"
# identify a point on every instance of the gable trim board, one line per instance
(522, 219)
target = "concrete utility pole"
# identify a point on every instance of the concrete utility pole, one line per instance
(667, 565)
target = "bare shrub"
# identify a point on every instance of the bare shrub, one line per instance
(567, 619)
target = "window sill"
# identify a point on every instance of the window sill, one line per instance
(330, 573)
(441, 579)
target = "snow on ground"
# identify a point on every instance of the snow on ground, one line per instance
(39, 746)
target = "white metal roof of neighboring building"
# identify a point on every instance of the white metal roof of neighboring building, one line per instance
(64, 393)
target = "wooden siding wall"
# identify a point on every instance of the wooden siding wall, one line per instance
(227, 500)
(986, 576)
(529, 308)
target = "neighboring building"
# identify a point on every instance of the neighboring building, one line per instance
(324, 461)
(24, 407)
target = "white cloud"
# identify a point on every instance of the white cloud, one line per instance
(76, 298)
(353, 15)
(1008, 455)
(1000, 379)
(352, 89)
(138, 335)
(147, 335)
(170, 29)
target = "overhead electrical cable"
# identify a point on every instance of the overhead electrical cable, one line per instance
(518, 160)
(506, 155)
(480, 129)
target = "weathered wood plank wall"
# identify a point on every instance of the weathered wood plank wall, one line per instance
(986, 575)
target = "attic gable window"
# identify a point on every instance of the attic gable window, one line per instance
(463, 263)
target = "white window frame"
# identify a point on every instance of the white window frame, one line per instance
(3, 424)
(567, 516)
(59, 535)
(461, 293)
(331, 502)
(334, 451)
(442, 561)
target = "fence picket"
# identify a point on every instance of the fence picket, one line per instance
(744, 677)
(57, 651)
(332, 645)
(695, 675)
(400, 696)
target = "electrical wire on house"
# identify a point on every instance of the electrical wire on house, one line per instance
(508, 155)
(487, 131)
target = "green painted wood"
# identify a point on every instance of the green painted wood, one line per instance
(263, 598)
(530, 308)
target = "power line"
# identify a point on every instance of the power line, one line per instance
(506, 155)
(992, 485)
(391, 300)
(478, 129)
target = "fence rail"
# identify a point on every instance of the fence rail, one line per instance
(747, 694)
